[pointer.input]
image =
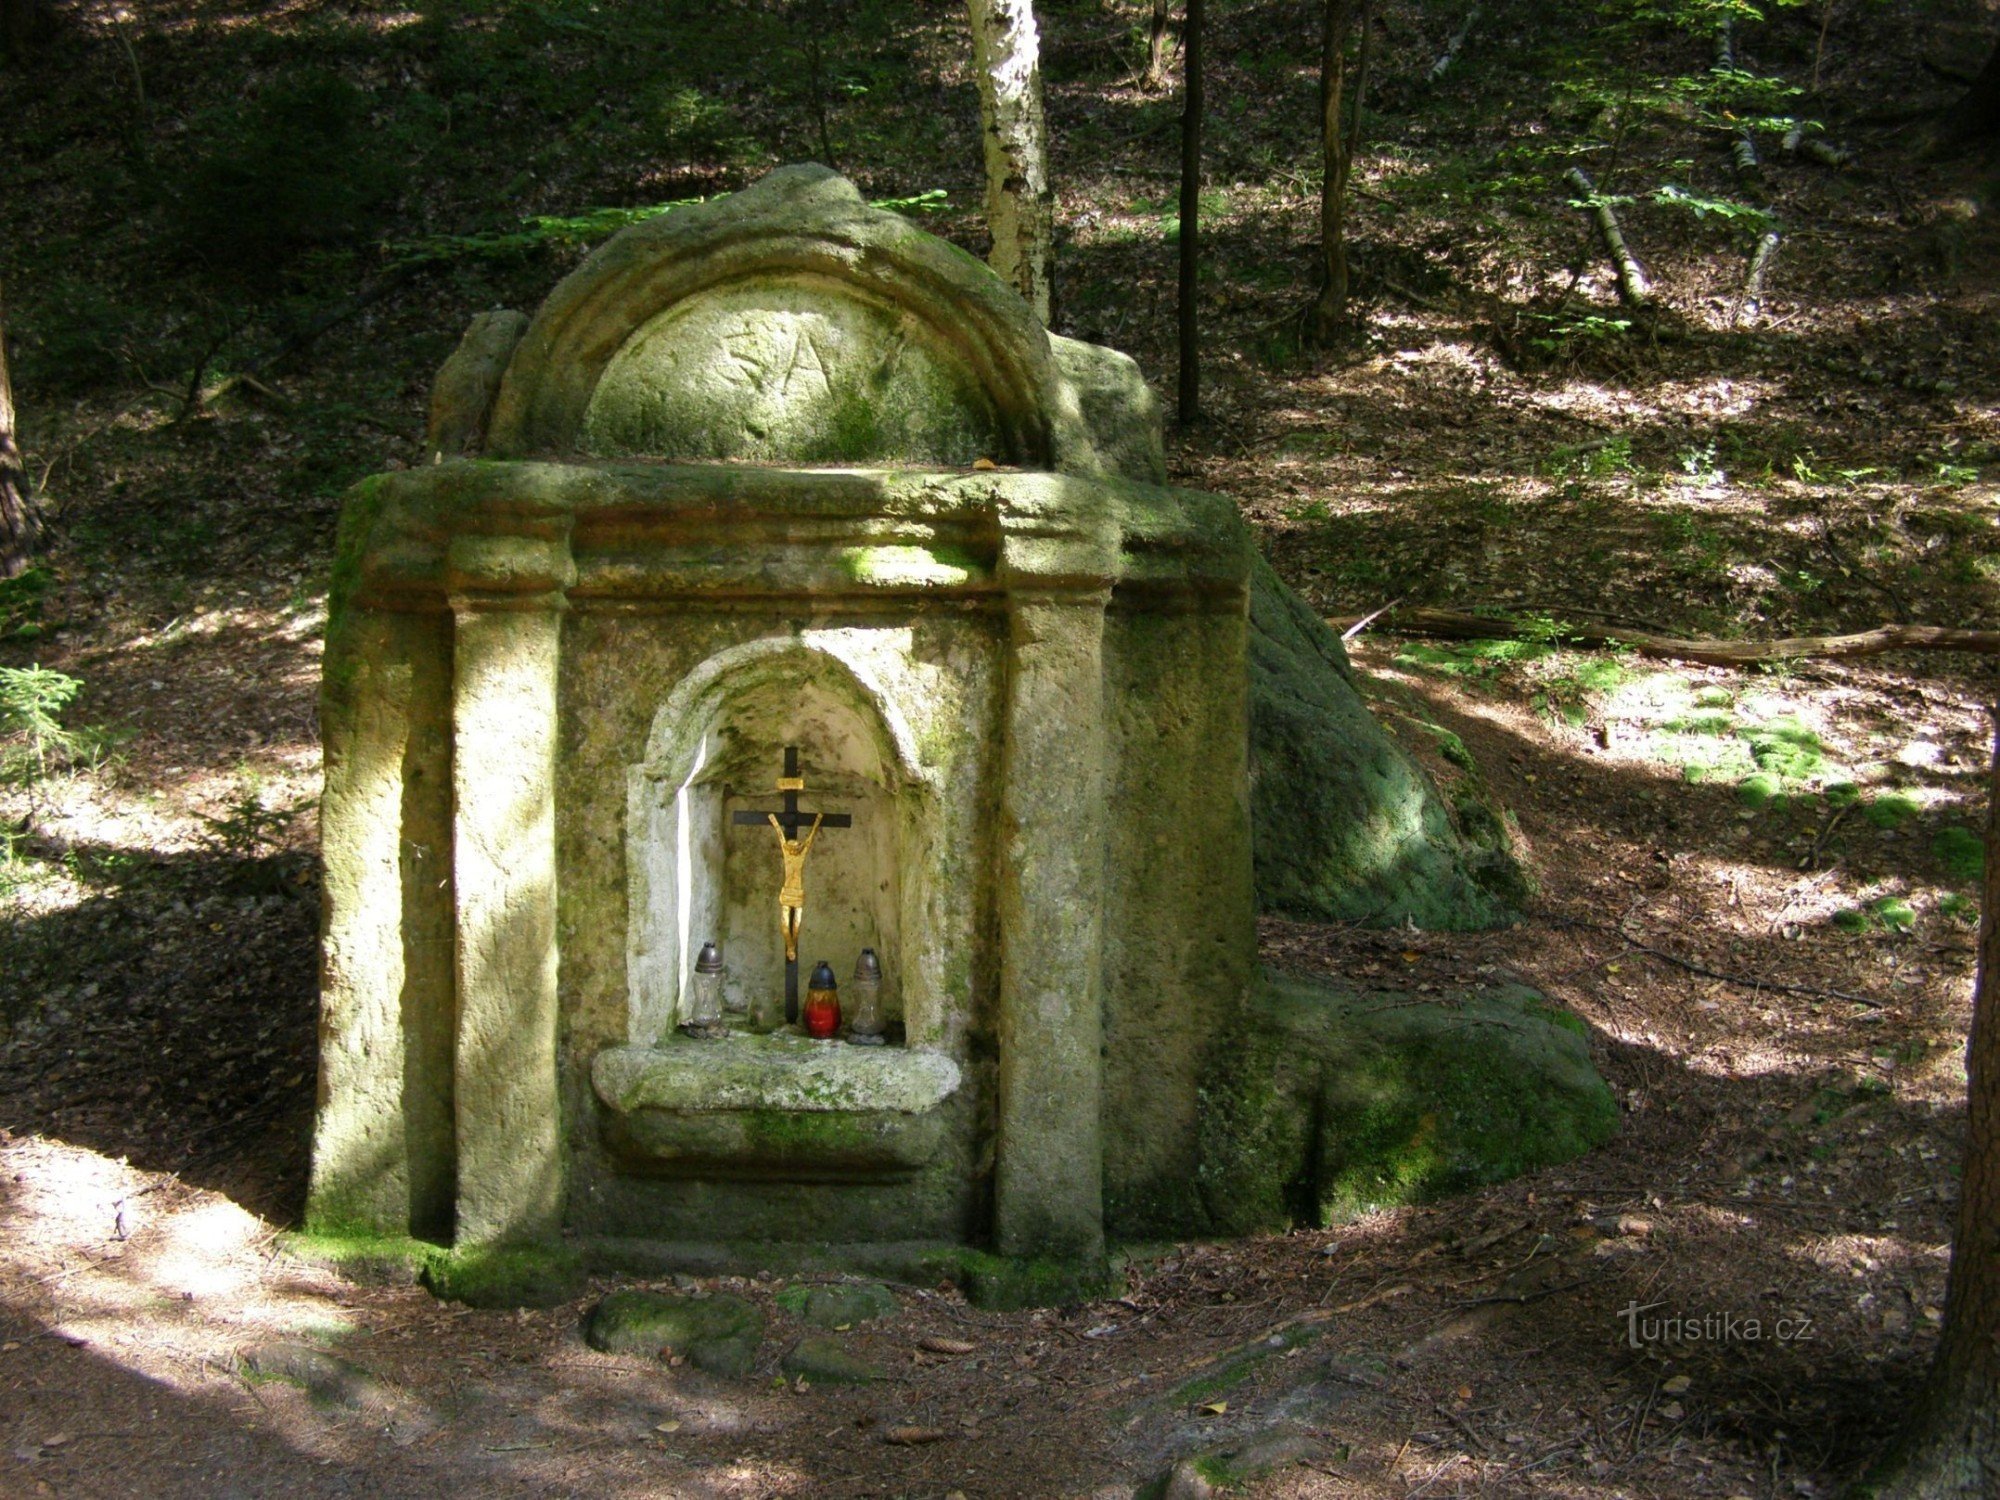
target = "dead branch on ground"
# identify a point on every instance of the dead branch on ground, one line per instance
(1633, 285)
(1459, 625)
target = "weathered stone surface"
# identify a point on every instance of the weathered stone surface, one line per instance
(781, 1071)
(790, 321)
(719, 1334)
(827, 1361)
(839, 1306)
(1348, 827)
(462, 395)
(1120, 408)
(1340, 1101)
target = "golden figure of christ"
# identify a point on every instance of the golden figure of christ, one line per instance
(792, 889)
(792, 852)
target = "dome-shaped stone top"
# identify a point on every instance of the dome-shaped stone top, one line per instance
(792, 323)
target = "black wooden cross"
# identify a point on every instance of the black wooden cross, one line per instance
(792, 820)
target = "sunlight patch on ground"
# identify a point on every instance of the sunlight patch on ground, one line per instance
(162, 1278)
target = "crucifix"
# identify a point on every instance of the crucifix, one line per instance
(793, 851)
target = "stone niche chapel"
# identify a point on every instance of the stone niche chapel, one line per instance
(780, 473)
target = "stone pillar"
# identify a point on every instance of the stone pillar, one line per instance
(379, 703)
(506, 649)
(1049, 1168)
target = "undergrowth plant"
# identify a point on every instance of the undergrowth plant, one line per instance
(32, 700)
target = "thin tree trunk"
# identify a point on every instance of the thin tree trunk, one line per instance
(1190, 387)
(1156, 46)
(1337, 139)
(1020, 207)
(20, 524)
(1954, 1450)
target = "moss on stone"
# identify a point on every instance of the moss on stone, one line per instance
(1003, 1283)
(829, 1362)
(1229, 1370)
(506, 1275)
(1347, 1101)
(719, 1334)
(838, 1306)
(1347, 826)
(1253, 1141)
(362, 1255)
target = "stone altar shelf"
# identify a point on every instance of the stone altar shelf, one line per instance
(774, 1105)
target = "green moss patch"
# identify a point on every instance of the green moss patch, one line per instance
(1962, 853)
(827, 1361)
(718, 1334)
(839, 1306)
(1345, 825)
(1890, 809)
(1002, 1283)
(1345, 1101)
(506, 1275)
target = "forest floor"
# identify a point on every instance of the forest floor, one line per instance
(1756, 887)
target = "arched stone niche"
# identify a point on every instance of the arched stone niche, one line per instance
(716, 747)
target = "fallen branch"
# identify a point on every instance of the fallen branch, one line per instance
(1451, 624)
(1797, 143)
(1760, 265)
(1443, 64)
(1366, 620)
(1633, 285)
(1743, 148)
(1741, 981)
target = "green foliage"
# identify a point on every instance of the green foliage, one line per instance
(1726, 209)
(21, 604)
(1603, 460)
(1958, 908)
(1962, 852)
(1894, 913)
(1883, 914)
(1785, 748)
(1890, 810)
(299, 167)
(70, 335)
(32, 701)
(1562, 332)
(532, 236)
(247, 828)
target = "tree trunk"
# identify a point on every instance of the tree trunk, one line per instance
(19, 521)
(1337, 157)
(1977, 112)
(1954, 1448)
(1190, 231)
(1020, 208)
(1156, 47)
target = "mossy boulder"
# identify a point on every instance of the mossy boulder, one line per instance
(827, 1361)
(718, 1334)
(839, 1306)
(1346, 826)
(1342, 1101)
